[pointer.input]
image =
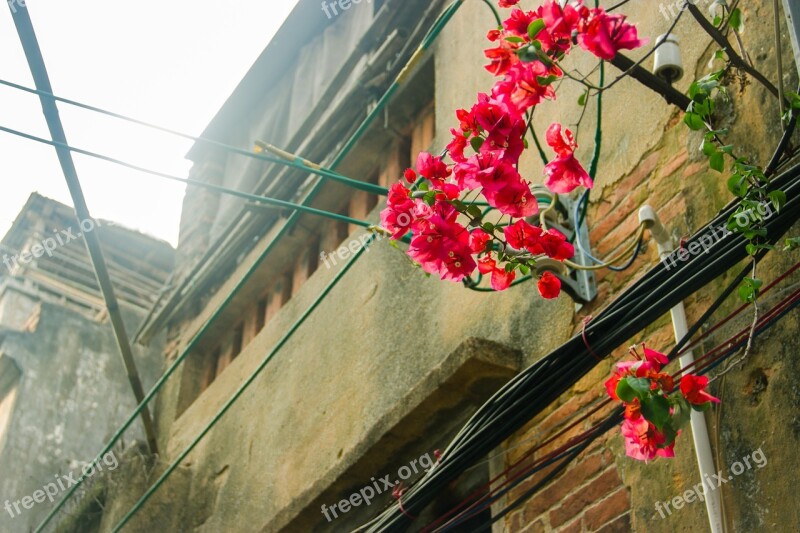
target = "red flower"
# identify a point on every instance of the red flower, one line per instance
(501, 279)
(508, 3)
(521, 87)
(432, 168)
(523, 236)
(478, 240)
(517, 23)
(564, 173)
(549, 286)
(501, 57)
(441, 245)
(693, 387)
(512, 197)
(604, 34)
(410, 175)
(457, 146)
(399, 214)
(555, 245)
(644, 442)
(560, 23)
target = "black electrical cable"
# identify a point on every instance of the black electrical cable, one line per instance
(530, 392)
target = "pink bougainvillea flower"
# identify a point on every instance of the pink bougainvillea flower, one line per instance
(457, 146)
(478, 240)
(644, 442)
(410, 175)
(633, 410)
(476, 170)
(693, 388)
(522, 87)
(441, 245)
(501, 57)
(508, 3)
(603, 35)
(564, 173)
(501, 279)
(512, 197)
(549, 286)
(517, 23)
(523, 236)
(399, 214)
(560, 23)
(654, 356)
(432, 168)
(611, 384)
(555, 245)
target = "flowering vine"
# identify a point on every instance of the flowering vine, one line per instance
(439, 203)
(654, 411)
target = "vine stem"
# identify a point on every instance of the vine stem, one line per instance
(735, 58)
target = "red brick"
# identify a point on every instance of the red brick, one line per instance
(604, 511)
(695, 168)
(675, 163)
(618, 525)
(602, 485)
(576, 526)
(534, 527)
(645, 167)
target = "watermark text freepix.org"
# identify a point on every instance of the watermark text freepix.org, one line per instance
(329, 7)
(48, 245)
(63, 482)
(676, 6)
(379, 486)
(762, 212)
(712, 482)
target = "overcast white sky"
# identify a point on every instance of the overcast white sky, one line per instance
(173, 63)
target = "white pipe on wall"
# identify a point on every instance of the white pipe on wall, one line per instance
(702, 445)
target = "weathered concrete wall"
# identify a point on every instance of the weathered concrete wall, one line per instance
(387, 337)
(71, 396)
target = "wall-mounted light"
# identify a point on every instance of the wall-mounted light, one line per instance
(667, 64)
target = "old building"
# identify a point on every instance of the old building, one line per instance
(301, 377)
(63, 387)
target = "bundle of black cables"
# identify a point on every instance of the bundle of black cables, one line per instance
(538, 386)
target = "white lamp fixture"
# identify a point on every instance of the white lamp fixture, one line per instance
(667, 64)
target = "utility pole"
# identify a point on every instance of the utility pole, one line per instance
(33, 53)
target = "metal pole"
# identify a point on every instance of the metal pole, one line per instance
(33, 53)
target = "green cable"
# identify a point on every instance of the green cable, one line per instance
(494, 11)
(217, 188)
(242, 388)
(427, 41)
(295, 163)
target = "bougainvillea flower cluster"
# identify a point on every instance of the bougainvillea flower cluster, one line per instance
(654, 411)
(436, 204)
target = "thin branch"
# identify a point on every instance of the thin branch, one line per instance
(732, 55)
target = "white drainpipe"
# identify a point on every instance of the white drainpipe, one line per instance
(702, 446)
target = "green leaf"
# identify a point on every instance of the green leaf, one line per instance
(640, 385)
(515, 39)
(582, 99)
(624, 391)
(476, 143)
(717, 161)
(791, 243)
(778, 199)
(694, 121)
(681, 412)
(474, 211)
(525, 269)
(488, 227)
(709, 148)
(717, 21)
(702, 407)
(736, 21)
(535, 27)
(656, 410)
(736, 184)
(528, 53)
(545, 81)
